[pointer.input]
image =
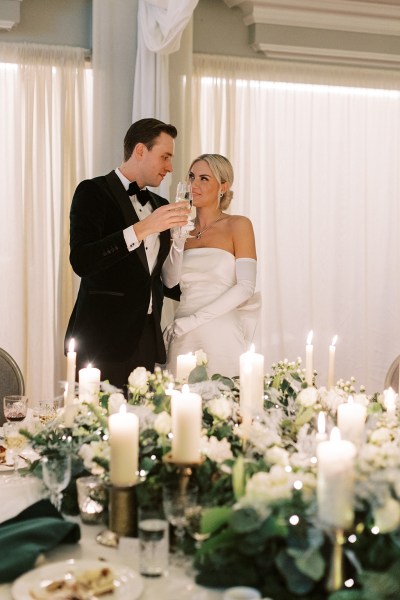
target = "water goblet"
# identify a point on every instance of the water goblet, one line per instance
(194, 515)
(14, 441)
(15, 408)
(177, 499)
(56, 476)
(46, 411)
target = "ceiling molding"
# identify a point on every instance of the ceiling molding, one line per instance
(371, 21)
(10, 13)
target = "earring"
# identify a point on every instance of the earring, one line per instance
(221, 194)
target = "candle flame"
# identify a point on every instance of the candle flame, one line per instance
(350, 400)
(335, 435)
(321, 422)
(122, 409)
(252, 348)
(310, 337)
(334, 340)
(185, 389)
(390, 397)
(89, 366)
(71, 347)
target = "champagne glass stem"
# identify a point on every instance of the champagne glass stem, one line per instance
(179, 554)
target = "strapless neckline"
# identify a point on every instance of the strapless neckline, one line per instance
(212, 250)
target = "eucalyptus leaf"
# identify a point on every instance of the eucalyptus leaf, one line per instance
(198, 374)
(296, 581)
(214, 518)
(244, 520)
(311, 562)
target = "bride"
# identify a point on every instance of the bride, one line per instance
(215, 266)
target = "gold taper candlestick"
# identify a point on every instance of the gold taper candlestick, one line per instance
(335, 578)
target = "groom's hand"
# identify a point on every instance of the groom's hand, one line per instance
(163, 218)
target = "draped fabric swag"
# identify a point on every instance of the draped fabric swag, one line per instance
(317, 171)
(44, 94)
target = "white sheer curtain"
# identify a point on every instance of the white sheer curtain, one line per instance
(317, 171)
(43, 155)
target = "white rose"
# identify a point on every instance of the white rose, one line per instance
(387, 517)
(163, 423)
(216, 450)
(269, 487)
(138, 379)
(277, 456)
(201, 358)
(308, 397)
(220, 408)
(115, 402)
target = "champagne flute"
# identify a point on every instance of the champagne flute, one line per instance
(177, 499)
(184, 193)
(14, 441)
(194, 516)
(56, 476)
(15, 408)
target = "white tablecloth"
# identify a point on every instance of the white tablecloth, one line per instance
(177, 584)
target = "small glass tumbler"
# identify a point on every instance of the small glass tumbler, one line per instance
(91, 499)
(153, 543)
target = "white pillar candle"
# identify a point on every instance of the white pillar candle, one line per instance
(351, 421)
(309, 359)
(186, 413)
(124, 447)
(390, 401)
(321, 435)
(251, 383)
(89, 384)
(185, 363)
(331, 363)
(71, 373)
(335, 481)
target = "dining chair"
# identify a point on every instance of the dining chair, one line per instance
(392, 376)
(11, 379)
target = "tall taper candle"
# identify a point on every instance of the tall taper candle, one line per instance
(124, 447)
(71, 372)
(251, 384)
(335, 481)
(309, 359)
(331, 363)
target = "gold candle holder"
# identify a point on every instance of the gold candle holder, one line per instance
(335, 578)
(122, 515)
(184, 470)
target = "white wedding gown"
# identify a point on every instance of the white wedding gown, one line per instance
(207, 273)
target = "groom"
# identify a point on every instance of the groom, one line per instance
(119, 239)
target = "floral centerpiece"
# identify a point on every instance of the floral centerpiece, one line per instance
(259, 483)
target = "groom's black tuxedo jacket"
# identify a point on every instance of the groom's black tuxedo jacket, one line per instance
(114, 294)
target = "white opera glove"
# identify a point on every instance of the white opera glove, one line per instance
(172, 267)
(246, 272)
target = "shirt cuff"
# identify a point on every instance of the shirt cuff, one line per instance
(130, 239)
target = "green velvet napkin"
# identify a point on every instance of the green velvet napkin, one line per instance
(35, 530)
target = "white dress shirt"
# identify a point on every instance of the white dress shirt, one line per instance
(152, 241)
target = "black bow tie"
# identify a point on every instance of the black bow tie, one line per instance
(143, 196)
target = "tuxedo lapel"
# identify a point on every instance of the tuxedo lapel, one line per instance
(124, 202)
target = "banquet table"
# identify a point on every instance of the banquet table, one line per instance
(176, 583)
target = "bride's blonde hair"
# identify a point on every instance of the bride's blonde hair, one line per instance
(222, 170)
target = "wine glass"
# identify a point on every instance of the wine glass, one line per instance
(194, 516)
(15, 408)
(56, 475)
(177, 499)
(14, 441)
(184, 192)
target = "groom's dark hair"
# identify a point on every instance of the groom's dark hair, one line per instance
(146, 131)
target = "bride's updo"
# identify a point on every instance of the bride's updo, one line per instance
(222, 170)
